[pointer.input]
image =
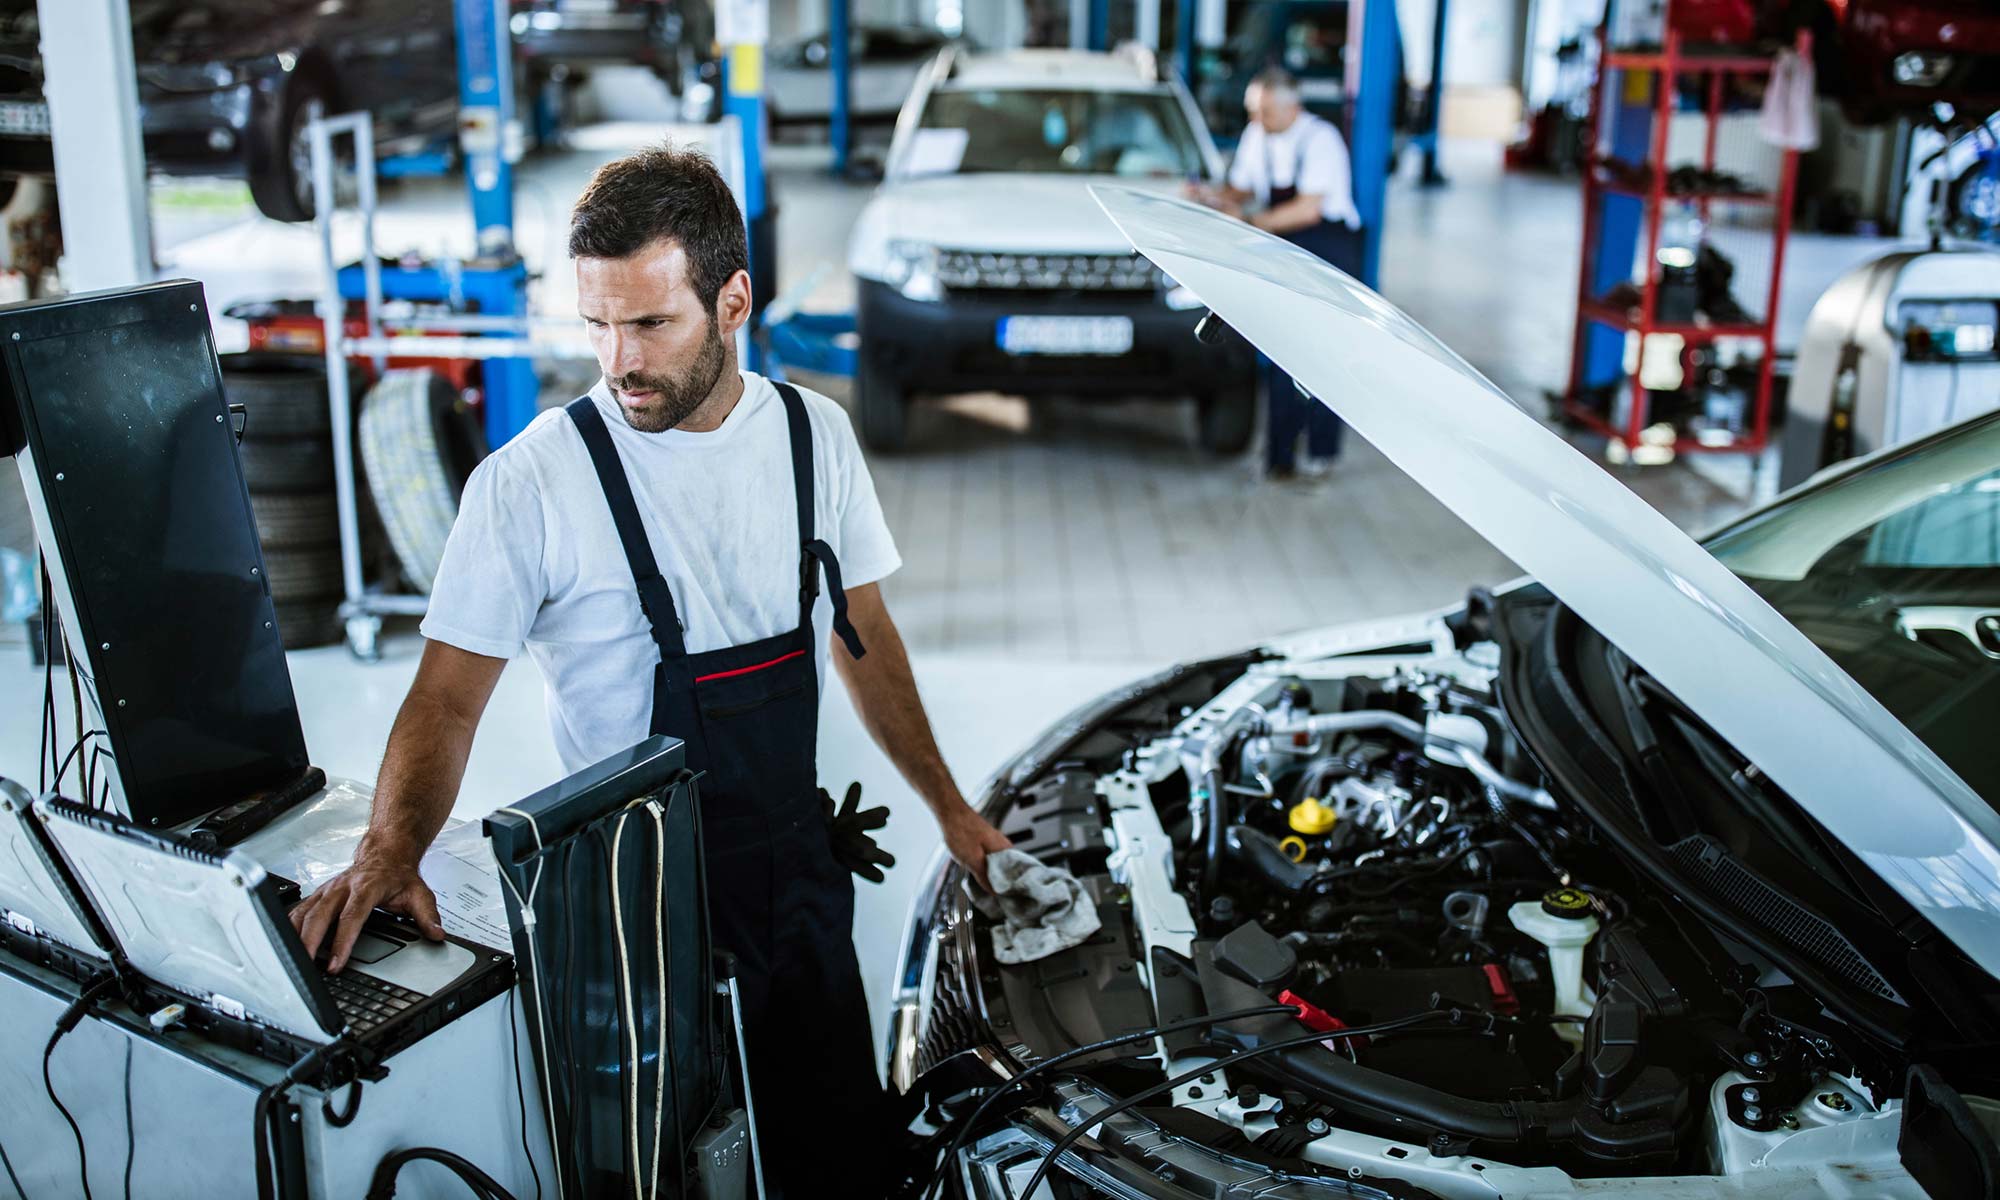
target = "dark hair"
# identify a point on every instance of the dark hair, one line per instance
(1277, 79)
(664, 191)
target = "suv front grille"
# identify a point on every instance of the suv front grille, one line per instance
(982, 270)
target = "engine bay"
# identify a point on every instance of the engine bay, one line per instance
(1366, 843)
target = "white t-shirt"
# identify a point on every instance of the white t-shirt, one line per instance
(1309, 155)
(534, 561)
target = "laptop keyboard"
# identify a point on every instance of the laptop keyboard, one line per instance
(366, 1001)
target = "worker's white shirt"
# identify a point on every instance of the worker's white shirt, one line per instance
(1309, 155)
(534, 561)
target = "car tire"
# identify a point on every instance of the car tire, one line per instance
(278, 171)
(292, 522)
(283, 395)
(287, 465)
(303, 574)
(418, 445)
(303, 624)
(885, 408)
(1226, 421)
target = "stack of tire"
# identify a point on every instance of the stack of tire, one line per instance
(287, 456)
(418, 441)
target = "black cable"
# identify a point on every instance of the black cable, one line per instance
(307, 1066)
(71, 1017)
(342, 1118)
(131, 1134)
(521, 1093)
(1098, 1118)
(382, 1185)
(12, 1178)
(68, 758)
(49, 735)
(1067, 1056)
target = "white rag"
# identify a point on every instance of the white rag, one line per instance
(1790, 119)
(1041, 909)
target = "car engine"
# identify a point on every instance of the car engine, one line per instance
(1366, 843)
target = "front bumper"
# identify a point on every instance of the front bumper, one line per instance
(950, 345)
(197, 133)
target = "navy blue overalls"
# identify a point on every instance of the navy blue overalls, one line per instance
(1288, 413)
(749, 715)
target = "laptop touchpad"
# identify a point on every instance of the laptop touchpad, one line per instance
(424, 967)
(369, 948)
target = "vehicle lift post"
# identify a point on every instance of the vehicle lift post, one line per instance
(1427, 137)
(93, 101)
(743, 30)
(840, 67)
(1371, 130)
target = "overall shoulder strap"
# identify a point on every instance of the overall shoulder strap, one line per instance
(816, 553)
(655, 598)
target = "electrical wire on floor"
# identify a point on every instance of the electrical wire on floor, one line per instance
(1097, 1119)
(12, 1178)
(131, 1134)
(1068, 1056)
(71, 1017)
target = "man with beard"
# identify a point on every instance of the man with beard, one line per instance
(671, 550)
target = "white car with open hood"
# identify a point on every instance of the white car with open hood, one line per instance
(1668, 871)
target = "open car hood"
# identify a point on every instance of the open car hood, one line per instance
(1639, 581)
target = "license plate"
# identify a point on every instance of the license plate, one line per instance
(24, 117)
(1065, 335)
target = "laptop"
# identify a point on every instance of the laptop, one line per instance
(43, 915)
(208, 929)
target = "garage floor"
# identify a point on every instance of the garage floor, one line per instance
(1050, 553)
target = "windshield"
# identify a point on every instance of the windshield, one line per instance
(1894, 571)
(1050, 130)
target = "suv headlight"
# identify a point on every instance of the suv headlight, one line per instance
(1918, 68)
(912, 270)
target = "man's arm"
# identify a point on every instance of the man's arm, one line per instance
(1300, 212)
(421, 771)
(885, 694)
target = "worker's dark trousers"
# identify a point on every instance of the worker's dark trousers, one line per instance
(1287, 414)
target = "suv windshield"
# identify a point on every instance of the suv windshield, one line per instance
(1050, 130)
(1894, 571)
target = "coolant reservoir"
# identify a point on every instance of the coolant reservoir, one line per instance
(1562, 921)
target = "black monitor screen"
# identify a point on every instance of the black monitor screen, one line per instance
(121, 404)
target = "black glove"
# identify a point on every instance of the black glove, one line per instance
(852, 847)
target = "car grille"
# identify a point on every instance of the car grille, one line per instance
(981, 270)
(950, 1026)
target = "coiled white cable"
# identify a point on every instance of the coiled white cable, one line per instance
(527, 906)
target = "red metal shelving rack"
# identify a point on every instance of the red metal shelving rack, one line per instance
(1668, 64)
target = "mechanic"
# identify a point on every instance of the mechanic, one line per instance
(658, 548)
(1313, 208)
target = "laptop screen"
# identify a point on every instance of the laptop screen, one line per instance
(35, 895)
(207, 925)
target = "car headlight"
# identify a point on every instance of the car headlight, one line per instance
(912, 270)
(1920, 68)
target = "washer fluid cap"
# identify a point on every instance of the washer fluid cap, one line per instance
(1568, 903)
(1311, 818)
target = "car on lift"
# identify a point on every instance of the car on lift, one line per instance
(1668, 871)
(885, 61)
(1308, 38)
(980, 264)
(225, 86)
(561, 39)
(1884, 59)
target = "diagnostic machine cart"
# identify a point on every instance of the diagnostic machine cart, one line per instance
(166, 1032)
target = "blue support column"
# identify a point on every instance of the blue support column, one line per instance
(1100, 24)
(1371, 130)
(494, 279)
(743, 98)
(839, 47)
(1620, 221)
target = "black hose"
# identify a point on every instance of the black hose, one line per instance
(382, 1185)
(1102, 1115)
(1049, 1064)
(1217, 830)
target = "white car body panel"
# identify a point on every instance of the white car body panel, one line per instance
(1624, 568)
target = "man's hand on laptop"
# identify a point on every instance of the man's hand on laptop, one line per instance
(341, 905)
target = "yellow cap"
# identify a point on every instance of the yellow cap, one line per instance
(1294, 848)
(1310, 817)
